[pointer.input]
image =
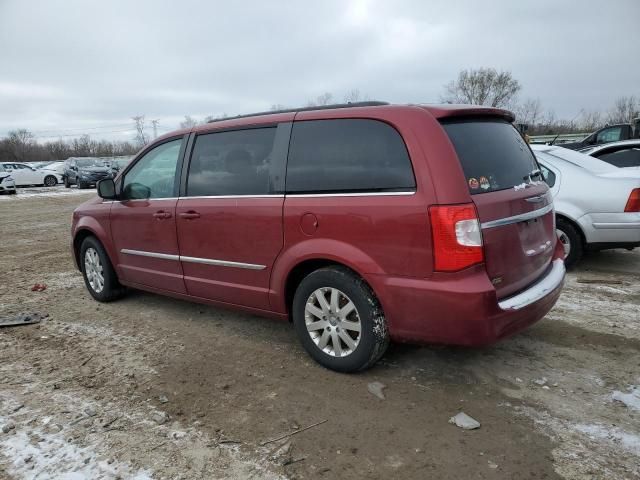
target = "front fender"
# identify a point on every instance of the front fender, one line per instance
(315, 249)
(96, 224)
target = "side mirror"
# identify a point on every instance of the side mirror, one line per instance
(136, 191)
(106, 189)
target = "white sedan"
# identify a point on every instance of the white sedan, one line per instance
(597, 204)
(624, 154)
(7, 185)
(24, 174)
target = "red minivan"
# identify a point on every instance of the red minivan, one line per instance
(360, 223)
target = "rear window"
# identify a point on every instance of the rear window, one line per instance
(347, 155)
(493, 155)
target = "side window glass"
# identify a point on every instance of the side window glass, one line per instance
(548, 175)
(239, 162)
(609, 135)
(154, 175)
(347, 155)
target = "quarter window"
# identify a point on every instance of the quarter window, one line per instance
(239, 162)
(347, 155)
(154, 175)
(548, 175)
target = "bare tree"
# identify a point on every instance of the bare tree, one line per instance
(590, 120)
(211, 118)
(625, 109)
(484, 86)
(188, 122)
(325, 99)
(20, 143)
(352, 96)
(141, 137)
(529, 112)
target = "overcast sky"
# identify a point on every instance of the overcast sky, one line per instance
(70, 66)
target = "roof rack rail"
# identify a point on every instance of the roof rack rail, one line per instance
(304, 109)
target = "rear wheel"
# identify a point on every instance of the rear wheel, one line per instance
(50, 181)
(99, 276)
(339, 320)
(571, 241)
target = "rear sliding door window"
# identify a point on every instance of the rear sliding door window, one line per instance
(493, 155)
(347, 155)
(238, 162)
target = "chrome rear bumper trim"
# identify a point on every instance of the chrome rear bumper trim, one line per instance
(538, 290)
(523, 217)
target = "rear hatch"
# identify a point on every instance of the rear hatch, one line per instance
(514, 207)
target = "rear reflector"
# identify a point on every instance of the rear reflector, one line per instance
(633, 204)
(457, 240)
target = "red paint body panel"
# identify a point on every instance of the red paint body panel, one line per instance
(384, 238)
(246, 230)
(134, 227)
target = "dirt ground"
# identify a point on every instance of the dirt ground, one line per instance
(153, 387)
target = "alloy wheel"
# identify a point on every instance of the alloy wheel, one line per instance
(333, 322)
(93, 269)
(566, 243)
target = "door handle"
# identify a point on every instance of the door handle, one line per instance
(190, 215)
(161, 215)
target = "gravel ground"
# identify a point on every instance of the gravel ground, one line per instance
(153, 387)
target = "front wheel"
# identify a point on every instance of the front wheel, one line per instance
(82, 185)
(99, 276)
(66, 182)
(50, 181)
(339, 320)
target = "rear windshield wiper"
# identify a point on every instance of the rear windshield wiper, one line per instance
(534, 173)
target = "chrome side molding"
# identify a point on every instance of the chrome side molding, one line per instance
(206, 261)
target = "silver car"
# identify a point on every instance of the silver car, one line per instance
(7, 184)
(624, 154)
(597, 204)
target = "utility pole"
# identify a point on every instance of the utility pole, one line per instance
(155, 127)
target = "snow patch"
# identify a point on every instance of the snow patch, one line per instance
(631, 399)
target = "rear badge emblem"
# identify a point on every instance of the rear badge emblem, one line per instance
(473, 184)
(496, 281)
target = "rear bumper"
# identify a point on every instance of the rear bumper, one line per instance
(462, 308)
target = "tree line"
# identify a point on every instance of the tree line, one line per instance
(483, 86)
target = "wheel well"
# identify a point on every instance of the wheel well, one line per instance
(302, 270)
(77, 242)
(574, 225)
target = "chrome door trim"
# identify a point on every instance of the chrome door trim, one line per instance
(267, 195)
(140, 253)
(355, 194)
(222, 263)
(205, 261)
(523, 217)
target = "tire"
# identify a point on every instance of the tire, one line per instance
(571, 240)
(93, 262)
(82, 185)
(50, 181)
(366, 346)
(12, 192)
(66, 182)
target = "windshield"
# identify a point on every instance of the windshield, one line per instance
(90, 162)
(492, 153)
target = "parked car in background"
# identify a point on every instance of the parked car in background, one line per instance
(84, 171)
(608, 134)
(597, 204)
(620, 154)
(56, 168)
(23, 174)
(340, 218)
(7, 184)
(118, 164)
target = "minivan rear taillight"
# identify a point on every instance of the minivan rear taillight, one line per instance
(633, 204)
(457, 240)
